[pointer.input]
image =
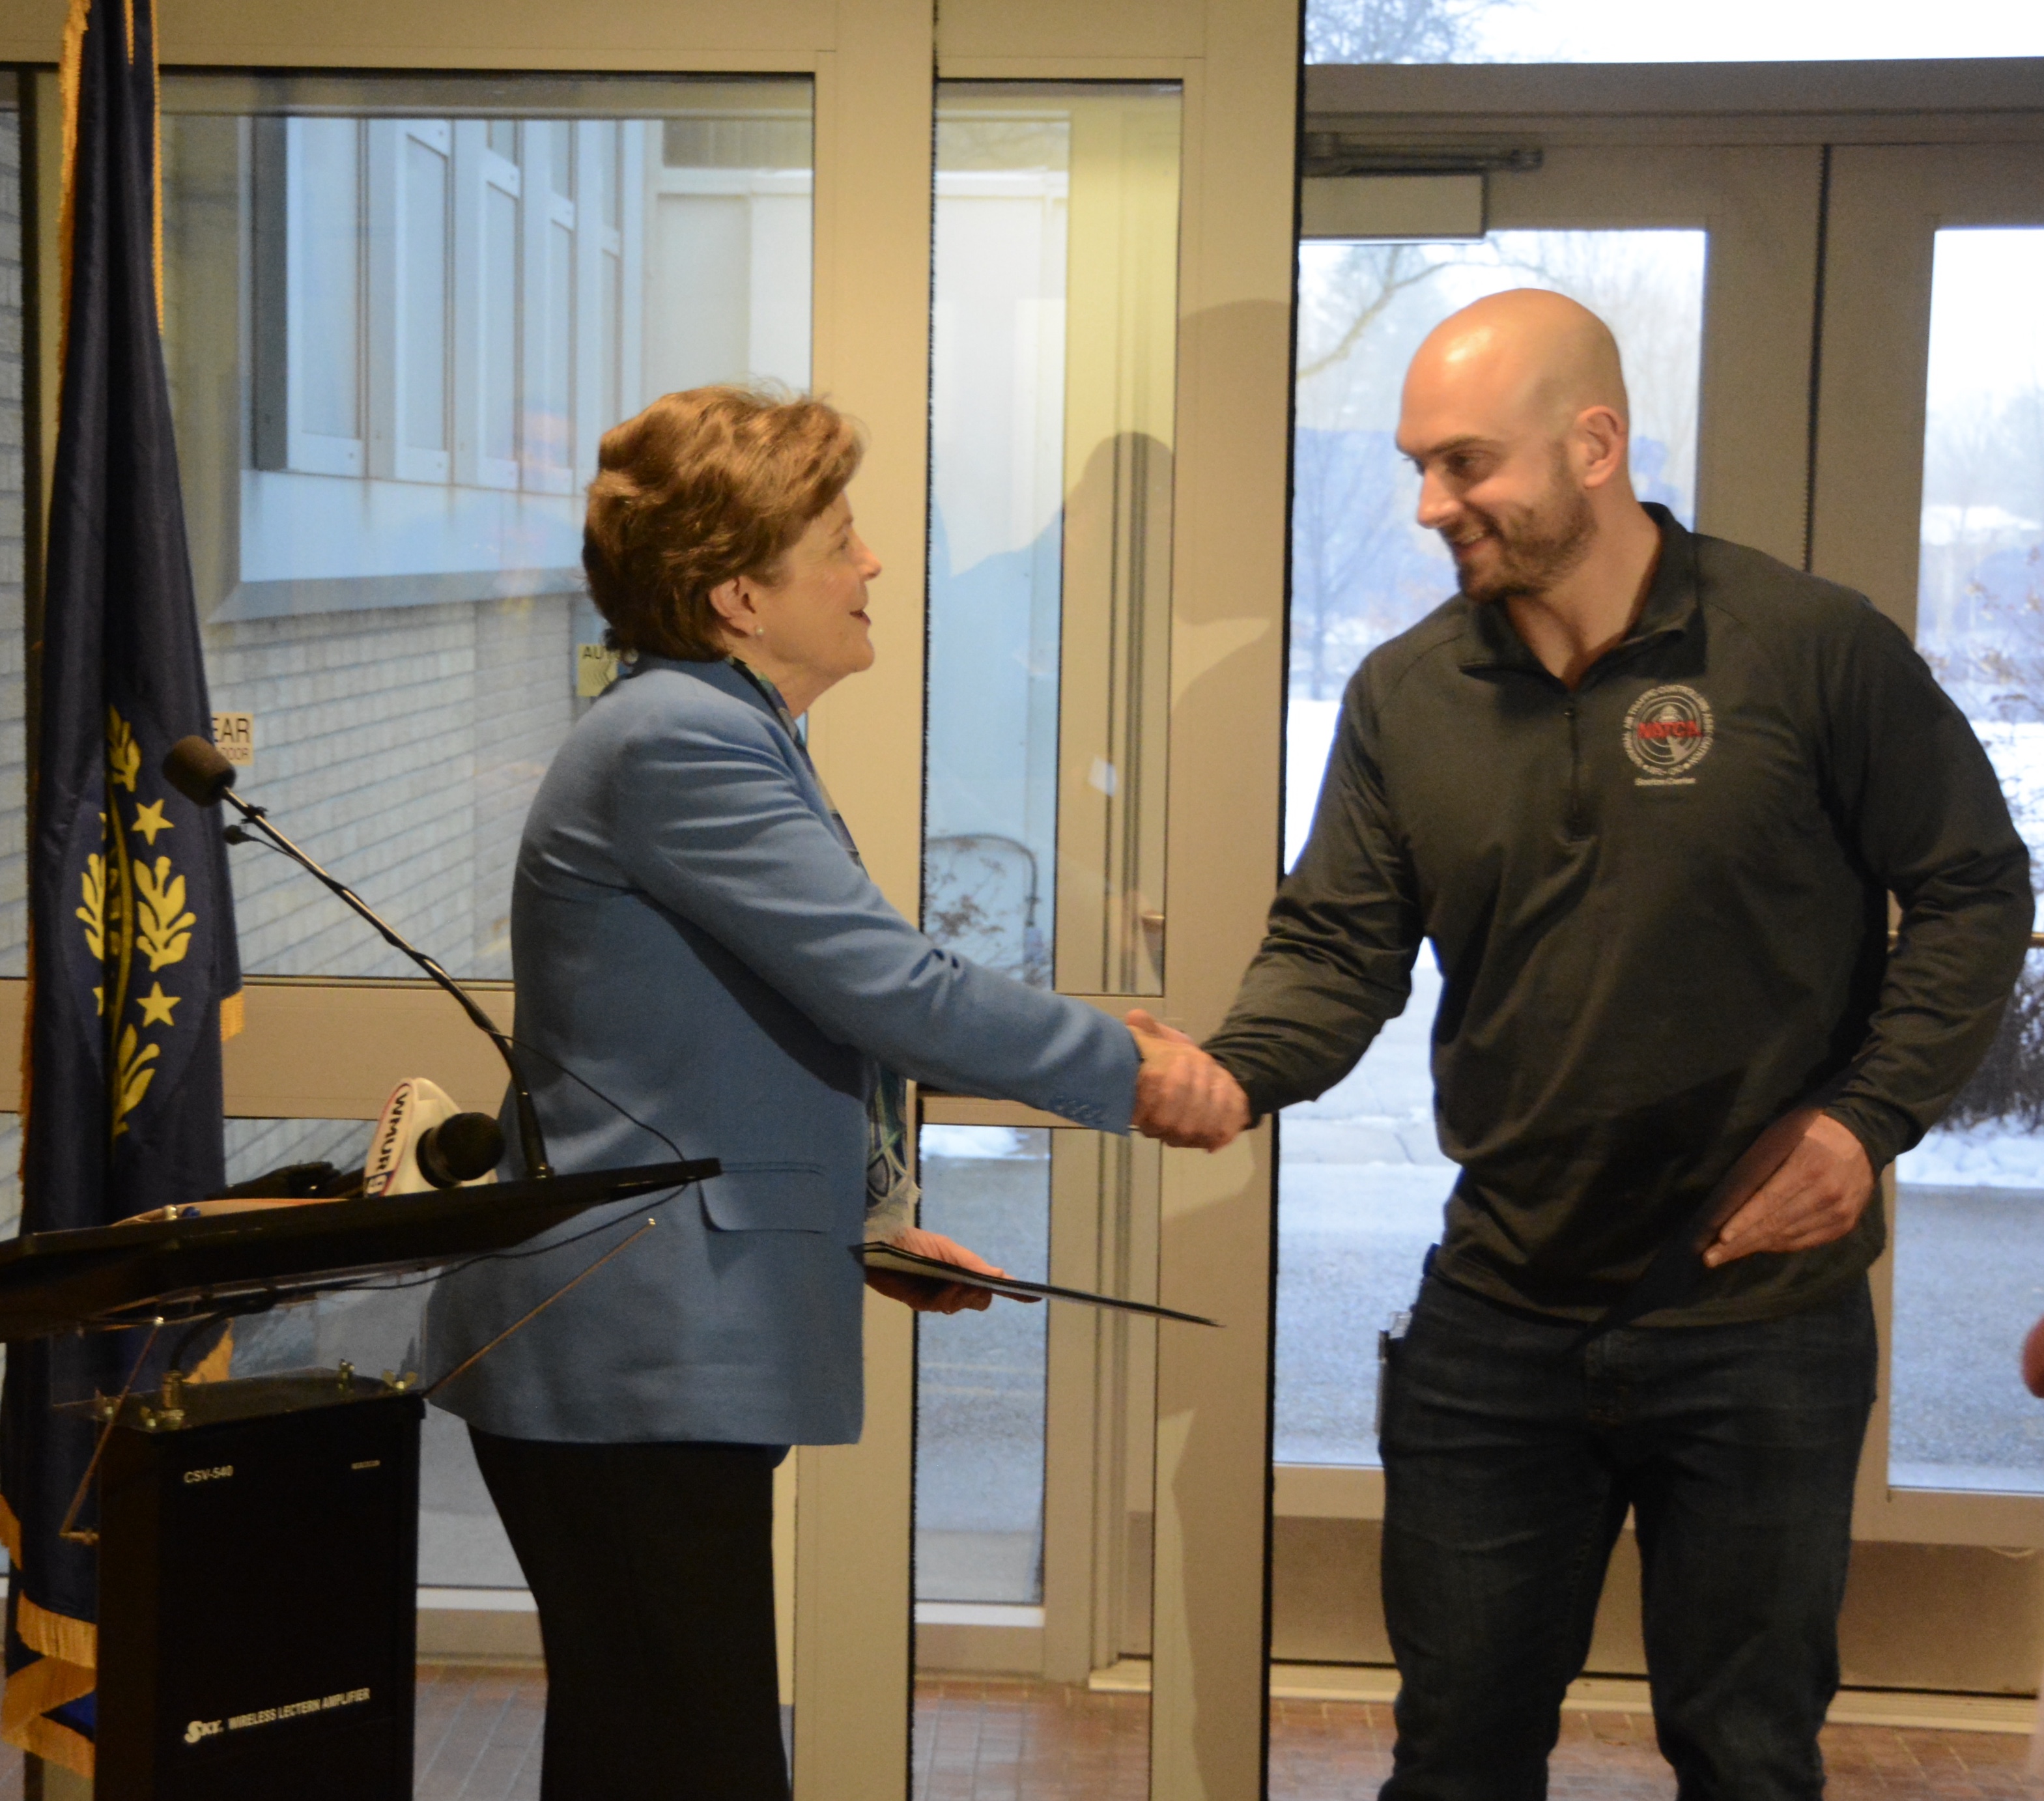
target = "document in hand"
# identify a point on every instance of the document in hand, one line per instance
(907, 1263)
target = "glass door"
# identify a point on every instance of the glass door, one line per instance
(1053, 397)
(1929, 498)
(1680, 252)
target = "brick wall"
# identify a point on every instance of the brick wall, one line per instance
(401, 747)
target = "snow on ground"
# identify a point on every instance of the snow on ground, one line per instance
(2016, 749)
(1309, 734)
(978, 1142)
(1990, 1155)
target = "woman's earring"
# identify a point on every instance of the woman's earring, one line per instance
(759, 631)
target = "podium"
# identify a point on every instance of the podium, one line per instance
(258, 1539)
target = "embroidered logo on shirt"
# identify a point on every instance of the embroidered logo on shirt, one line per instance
(1668, 731)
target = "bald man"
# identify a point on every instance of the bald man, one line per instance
(1646, 793)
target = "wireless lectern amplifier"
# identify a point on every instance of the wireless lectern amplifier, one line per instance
(257, 1623)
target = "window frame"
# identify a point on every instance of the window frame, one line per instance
(393, 246)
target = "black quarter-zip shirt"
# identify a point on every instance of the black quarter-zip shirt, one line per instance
(1659, 902)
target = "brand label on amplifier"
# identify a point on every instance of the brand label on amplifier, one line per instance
(219, 1472)
(200, 1730)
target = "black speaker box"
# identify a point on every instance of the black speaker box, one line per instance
(258, 1593)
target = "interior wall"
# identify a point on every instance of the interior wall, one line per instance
(1964, 1618)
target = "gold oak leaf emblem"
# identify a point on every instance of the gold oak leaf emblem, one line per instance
(156, 1006)
(149, 820)
(134, 1078)
(124, 755)
(93, 912)
(162, 927)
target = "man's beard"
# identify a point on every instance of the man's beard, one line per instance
(1536, 550)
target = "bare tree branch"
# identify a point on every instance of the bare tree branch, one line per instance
(1396, 267)
(1394, 31)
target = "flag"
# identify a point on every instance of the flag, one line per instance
(133, 975)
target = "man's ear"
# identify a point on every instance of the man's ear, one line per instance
(1601, 443)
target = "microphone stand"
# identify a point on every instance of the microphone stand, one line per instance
(532, 1144)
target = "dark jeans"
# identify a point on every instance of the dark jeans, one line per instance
(1511, 1455)
(652, 1566)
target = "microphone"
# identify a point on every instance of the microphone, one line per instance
(463, 1148)
(197, 770)
(421, 1141)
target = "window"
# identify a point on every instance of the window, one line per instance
(1053, 419)
(1361, 1178)
(980, 1377)
(448, 292)
(438, 295)
(1970, 1199)
(1052, 400)
(1607, 31)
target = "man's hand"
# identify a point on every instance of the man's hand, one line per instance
(1182, 1096)
(925, 1293)
(1813, 1196)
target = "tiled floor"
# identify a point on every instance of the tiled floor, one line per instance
(477, 1737)
(988, 1740)
(1007, 1741)
(999, 1740)
(1320, 1751)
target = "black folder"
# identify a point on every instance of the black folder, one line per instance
(900, 1262)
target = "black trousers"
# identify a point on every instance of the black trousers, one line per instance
(652, 1566)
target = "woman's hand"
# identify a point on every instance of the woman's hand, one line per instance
(926, 1294)
(1182, 1096)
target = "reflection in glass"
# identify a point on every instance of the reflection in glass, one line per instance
(1361, 1179)
(980, 1376)
(444, 312)
(1970, 1198)
(1053, 350)
(376, 1328)
(1617, 31)
(1037, 1450)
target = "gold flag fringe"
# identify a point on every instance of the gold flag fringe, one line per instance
(58, 1635)
(67, 81)
(32, 1691)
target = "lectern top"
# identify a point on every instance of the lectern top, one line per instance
(52, 1282)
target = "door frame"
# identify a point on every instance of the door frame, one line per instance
(1761, 204)
(1886, 203)
(1849, 511)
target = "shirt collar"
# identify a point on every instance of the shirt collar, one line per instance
(1491, 641)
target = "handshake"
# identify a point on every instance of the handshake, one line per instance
(1182, 1096)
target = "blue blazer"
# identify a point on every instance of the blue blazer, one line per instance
(693, 939)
